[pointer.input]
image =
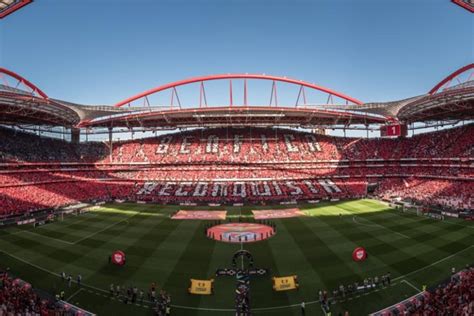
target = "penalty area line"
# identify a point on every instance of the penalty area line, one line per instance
(48, 271)
(41, 235)
(410, 285)
(73, 294)
(354, 219)
(102, 230)
(421, 218)
(20, 232)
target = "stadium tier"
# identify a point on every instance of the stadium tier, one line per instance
(236, 166)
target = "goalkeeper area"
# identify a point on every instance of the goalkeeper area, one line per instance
(316, 247)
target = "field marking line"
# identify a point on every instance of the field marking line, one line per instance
(45, 236)
(68, 242)
(40, 235)
(420, 218)
(389, 307)
(354, 219)
(410, 284)
(284, 306)
(324, 312)
(217, 309)
(378, 225)
(104, 291)
(172, 305)
(146, 301)
(69, 221)
(312, 302)
(102, 230)
(432, 264)
(204, 309)
(48, 271)
(448, 222)
(241, 242)
(73, 294)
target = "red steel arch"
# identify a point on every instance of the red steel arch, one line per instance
(236, 76)
(24, 81)
(451, 77)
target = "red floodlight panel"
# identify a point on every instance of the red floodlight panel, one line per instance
(466, 4)
(10, 6)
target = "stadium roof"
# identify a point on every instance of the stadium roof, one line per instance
(24, 102)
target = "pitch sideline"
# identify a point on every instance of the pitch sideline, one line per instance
(231, 310)
(77, 241)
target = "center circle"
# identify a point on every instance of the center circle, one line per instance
(240, 232)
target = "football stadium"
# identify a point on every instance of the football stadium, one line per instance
(241, 193)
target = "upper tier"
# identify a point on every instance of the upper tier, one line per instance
(238, 145)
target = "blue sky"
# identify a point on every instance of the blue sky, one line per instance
(102, 51)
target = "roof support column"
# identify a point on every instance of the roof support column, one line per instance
(111, 145)
(75, 135)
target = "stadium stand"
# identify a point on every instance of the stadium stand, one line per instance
(444, 193)
(235, 166)
(453, 297)
(18, 297)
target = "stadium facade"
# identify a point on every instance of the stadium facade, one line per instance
(446, 103)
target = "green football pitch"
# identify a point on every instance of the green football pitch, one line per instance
(416, 251)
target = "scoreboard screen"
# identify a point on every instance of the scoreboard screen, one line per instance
(396, 130)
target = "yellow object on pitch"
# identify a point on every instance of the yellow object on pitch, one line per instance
(285, 283)
(201, 287)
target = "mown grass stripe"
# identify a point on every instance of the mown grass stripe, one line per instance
(154, 255)
(135, 252)
(193, 263)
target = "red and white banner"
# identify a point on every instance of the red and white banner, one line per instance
(240, 232)
(281, 213)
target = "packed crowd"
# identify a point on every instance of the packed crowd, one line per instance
(18, 298)
(279, 145)
(254, 145)
(21, 146)
(53, 195)
(18, 200)
(454, 298)
(280, 171)
(429, 192)
(257, 157)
